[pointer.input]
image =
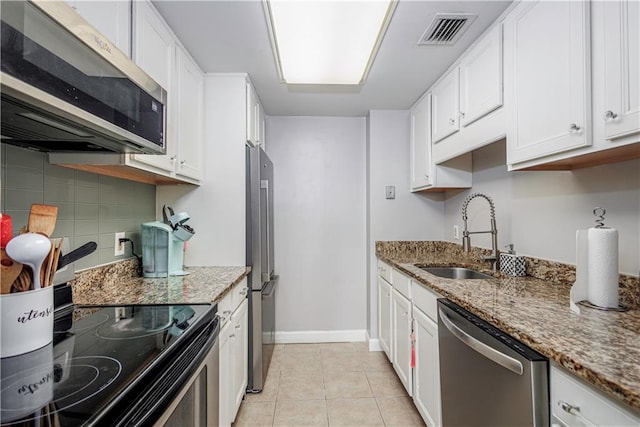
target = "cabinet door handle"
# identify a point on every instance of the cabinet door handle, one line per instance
(451, 122)
(575, 411)
(182, 163)
(173, 158)
(238, 326)
(574, 128)
(609, 115)
(232, 336)
(462, 114)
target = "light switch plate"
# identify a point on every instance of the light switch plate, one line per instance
(390, 191)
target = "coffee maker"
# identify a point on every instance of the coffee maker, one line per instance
(163, 244)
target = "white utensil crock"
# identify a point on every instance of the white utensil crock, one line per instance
(27, 321)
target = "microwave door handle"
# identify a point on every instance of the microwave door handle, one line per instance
(489, 352)
(264, 185)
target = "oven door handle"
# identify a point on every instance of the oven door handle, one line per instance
(140, 414)
(487, 351)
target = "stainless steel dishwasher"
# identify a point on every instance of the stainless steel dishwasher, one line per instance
(488, 378)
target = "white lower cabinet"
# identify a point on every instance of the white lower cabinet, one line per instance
(426, 373)
(384, 315)
(408, 320)
(240, 346)
(225, 383)
(234, 346)
(575, 403)
(401, 339)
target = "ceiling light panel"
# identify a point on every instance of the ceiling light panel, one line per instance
(327, 41)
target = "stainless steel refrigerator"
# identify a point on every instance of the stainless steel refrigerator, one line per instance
(262, 279)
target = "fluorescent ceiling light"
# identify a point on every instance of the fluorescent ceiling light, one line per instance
(327, 41)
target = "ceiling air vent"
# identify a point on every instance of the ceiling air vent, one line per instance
(446, 29)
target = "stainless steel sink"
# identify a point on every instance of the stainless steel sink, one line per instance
(456, 273)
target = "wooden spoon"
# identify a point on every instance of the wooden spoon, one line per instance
(46, 267)
(23, 282)
(42, 219)
(54, 264)
(10, 271)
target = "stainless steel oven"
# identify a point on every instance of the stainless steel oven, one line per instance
(118, 366)
(196, 404)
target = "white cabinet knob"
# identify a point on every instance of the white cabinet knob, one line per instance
(462, 114)
(574, 128)
(451, 122)
(609, 115)
(182, 163)
(173, 158)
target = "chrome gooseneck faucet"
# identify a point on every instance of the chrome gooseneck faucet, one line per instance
(466, 239)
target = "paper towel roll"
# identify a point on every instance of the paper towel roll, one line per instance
(602, 257)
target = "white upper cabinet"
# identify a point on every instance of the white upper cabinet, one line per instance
(190, 95)
(547, 78)
(467, 102)
(159, 53)
(425, 175)
(621, 111)
(481, 78)
(255, 118)
(445, 114)
(154, 51)
(111, 18)
(421, 143)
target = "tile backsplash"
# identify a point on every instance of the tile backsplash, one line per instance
(90, 207)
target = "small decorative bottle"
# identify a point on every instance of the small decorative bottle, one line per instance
(512, 264)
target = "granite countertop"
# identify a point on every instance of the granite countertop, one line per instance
(203, 285)
(601, 347)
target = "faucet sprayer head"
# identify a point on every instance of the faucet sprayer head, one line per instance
(465, 204)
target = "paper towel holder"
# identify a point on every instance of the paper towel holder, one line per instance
(599, 214)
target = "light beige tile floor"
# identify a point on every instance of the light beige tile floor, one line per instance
(335, 384)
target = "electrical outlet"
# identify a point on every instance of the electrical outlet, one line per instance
(456, 232)
(118, 247)
(390, 191)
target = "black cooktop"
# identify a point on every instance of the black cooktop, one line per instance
(101, 363)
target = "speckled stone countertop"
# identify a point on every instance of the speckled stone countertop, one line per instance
(115, 284)
(601, 347)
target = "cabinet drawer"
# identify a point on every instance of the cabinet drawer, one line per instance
(591, 406)
(401, 283)
(225, 308)
(239, 294)
(384, 271)
(425, 299)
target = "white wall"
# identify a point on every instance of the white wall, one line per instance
(217, 207)
(410, 216)
(540, 211)
(319, 221)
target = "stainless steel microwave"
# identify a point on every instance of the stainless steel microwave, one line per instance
(66, 88)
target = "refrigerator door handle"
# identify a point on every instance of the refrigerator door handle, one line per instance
(264, 185)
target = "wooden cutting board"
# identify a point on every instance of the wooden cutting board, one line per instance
(42, 219)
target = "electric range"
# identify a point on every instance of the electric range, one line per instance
(107, 365)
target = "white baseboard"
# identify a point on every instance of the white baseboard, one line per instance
(295, 337)
(374, 345)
